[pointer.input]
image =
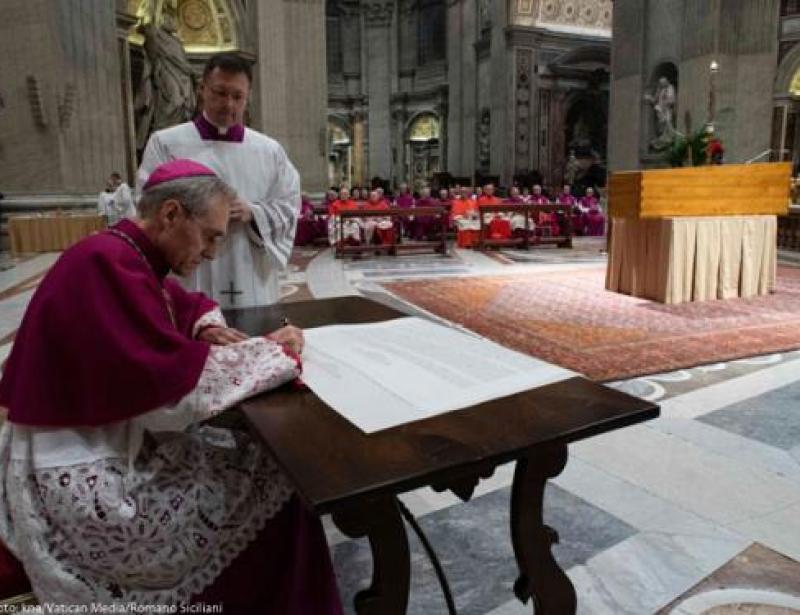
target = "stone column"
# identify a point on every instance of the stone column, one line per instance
(408, 26)
(61, 122)
(455, 117)
(501, 65)
(351, 46)
(625, 122)
(467, 98)
(291, 83)
(358, 149)
(399, 119)
(125, 22)
(523, 124)
(558, 113)
(378, 18)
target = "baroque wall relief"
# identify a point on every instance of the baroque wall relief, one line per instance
(201, 25)
(522, 127)
(568, 15)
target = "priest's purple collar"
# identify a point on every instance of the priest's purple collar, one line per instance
(153, 255)
(209, 132)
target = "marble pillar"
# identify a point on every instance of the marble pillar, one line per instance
(469, 89)
(408, 26)
(378, 16)
(359, 172)
(61, 117)
(455, 84)
(501, 94)
(351, 46)
(125, 22)
(290, 83)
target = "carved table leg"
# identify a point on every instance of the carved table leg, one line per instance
(540, 578)
(380, 521)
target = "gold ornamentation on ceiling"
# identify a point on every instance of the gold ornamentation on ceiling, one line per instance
(201, 25)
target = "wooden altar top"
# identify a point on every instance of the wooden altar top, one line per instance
(716, 190)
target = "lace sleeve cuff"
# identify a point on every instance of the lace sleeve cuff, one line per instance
(231, 374)
(214, 318)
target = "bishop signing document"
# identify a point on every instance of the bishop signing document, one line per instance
(115, 491)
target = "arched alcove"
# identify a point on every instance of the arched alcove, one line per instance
(666, 69)
(203, 26)
(340, 151)
(423, 153)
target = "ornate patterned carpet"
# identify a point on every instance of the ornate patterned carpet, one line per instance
(568, 318)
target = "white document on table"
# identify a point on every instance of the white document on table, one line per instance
(381, 375)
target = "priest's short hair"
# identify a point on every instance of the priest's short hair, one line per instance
(194, 193)
(230, 63)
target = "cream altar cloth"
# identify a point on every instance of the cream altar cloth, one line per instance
(674, 260)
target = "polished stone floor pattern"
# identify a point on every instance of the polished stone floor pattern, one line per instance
(645, 514)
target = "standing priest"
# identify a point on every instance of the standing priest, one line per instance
(264, 218)
(113, 492)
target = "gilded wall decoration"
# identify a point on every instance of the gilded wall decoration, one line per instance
(201, 25)
(570, 14)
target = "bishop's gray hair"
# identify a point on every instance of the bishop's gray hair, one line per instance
(194, 193)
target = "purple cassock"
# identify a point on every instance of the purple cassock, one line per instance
(405, 201)
(426, 227)
(594, 222)
(309, 226)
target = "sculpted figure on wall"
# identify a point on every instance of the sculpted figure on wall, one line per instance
(663, 102)
(166, 94)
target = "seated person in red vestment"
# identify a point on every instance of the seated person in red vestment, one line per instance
(546, 223)
(518, 219)
(488, 196)
(378, 230)
(382, 196)
(594, 220)
(499, 224)
(359, 195)
(462, 205)
(351, 227)
(114, 491)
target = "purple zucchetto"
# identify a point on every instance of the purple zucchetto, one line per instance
(177, 169)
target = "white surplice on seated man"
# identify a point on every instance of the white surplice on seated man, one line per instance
(346, 231)
(264, 221)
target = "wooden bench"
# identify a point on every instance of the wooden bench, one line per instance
(398, 245)
(529, 211)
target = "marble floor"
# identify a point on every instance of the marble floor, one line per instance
(645, 513)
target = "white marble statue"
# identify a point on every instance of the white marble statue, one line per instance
(663, 101)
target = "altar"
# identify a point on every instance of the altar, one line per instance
(695, 234)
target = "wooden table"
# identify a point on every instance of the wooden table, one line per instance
(439, 246)
(357, 477)
(51, 232)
